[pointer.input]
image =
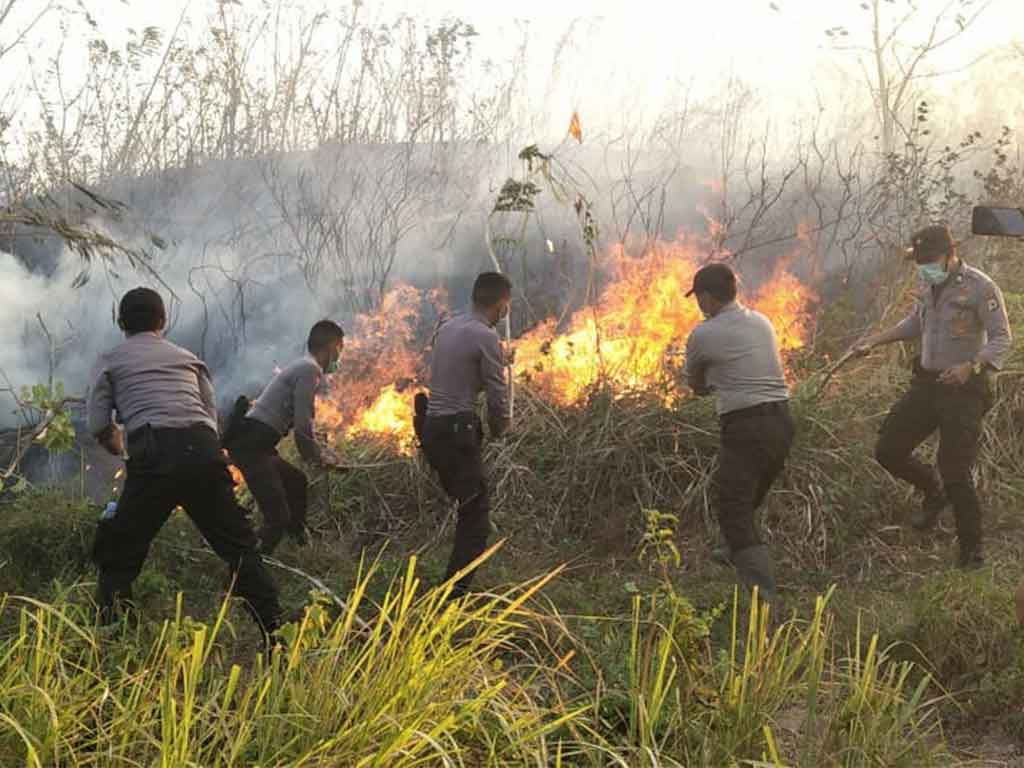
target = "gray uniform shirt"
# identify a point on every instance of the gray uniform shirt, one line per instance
(148, 380)
(962, 322)
(289, 402)
(735, 353)
(467, 360)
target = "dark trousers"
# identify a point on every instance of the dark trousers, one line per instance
(957, 413)
(280, 489)
(453, 445)
(755, 445)
(181, 467)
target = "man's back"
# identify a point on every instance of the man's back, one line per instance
(467, 358)
(739, 353)
(151, 381)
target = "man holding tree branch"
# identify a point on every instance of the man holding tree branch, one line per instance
(734, 354)
(960, 317)
(287, 404)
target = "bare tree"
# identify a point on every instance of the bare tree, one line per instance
(893, 64)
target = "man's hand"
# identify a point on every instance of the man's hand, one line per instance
(509, 353)
(112, 439)
(329, 461)
(863, 347)
(956, 376)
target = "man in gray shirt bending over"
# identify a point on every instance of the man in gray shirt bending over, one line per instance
(163, 396)
(288, 402)
(735, 355)
(467, 359)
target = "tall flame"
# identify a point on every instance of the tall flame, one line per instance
(624, 339)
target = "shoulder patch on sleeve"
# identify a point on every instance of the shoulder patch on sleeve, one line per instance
(993, 304)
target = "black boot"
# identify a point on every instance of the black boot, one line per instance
(269, 537)
(755, 567)
(971, 558)
(968, 524)
(722, 554)
(113, 603)
(931, 507)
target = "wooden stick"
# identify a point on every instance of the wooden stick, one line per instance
(508, 320)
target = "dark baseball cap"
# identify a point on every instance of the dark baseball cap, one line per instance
(930, 243)
(716, 278)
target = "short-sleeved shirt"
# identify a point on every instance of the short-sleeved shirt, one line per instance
(736, 354)
(289, 402)
(962, 321)
(148, 380)
(467, 359)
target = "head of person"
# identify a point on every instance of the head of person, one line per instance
(326, 340)
(141, 311)
(714, 286)
(492, 296)
(934, 251)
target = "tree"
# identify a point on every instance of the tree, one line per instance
(893, 64)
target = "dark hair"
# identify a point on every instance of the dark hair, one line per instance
(490, 288)
(323, 333)
(141, 310)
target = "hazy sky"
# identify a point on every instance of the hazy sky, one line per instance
(629, 55)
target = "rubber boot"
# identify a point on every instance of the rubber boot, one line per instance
(924, 517)
(968, 524)
(722, 554)
(269, 536)
(755, 567)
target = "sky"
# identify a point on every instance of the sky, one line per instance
(629, 57)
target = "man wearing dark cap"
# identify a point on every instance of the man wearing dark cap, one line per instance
(163, 396)
(960, 317)
(287, 403)
(467, 360)
(735, 355)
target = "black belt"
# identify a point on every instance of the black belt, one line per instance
(159, 432)
(454, 422)
(743, 413)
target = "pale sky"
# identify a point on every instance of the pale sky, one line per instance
(627, 56)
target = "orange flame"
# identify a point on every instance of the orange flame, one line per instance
(642, 317)
(624, 339)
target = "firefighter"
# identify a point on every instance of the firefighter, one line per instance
(734, 354)
(960, 317)
(467, 359)
(287, 403)
(164, 399)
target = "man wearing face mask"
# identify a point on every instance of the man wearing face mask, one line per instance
(287, 403)
(734, 354)
(468, 359)
(960, 317)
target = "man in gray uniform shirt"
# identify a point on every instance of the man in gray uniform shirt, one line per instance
(735, 355)
(467, 359)
(163, 396)
(960, 317)
(288, 402)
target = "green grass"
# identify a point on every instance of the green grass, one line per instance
(617, 660)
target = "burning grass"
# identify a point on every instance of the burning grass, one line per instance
(609, 664)
(626, 342)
